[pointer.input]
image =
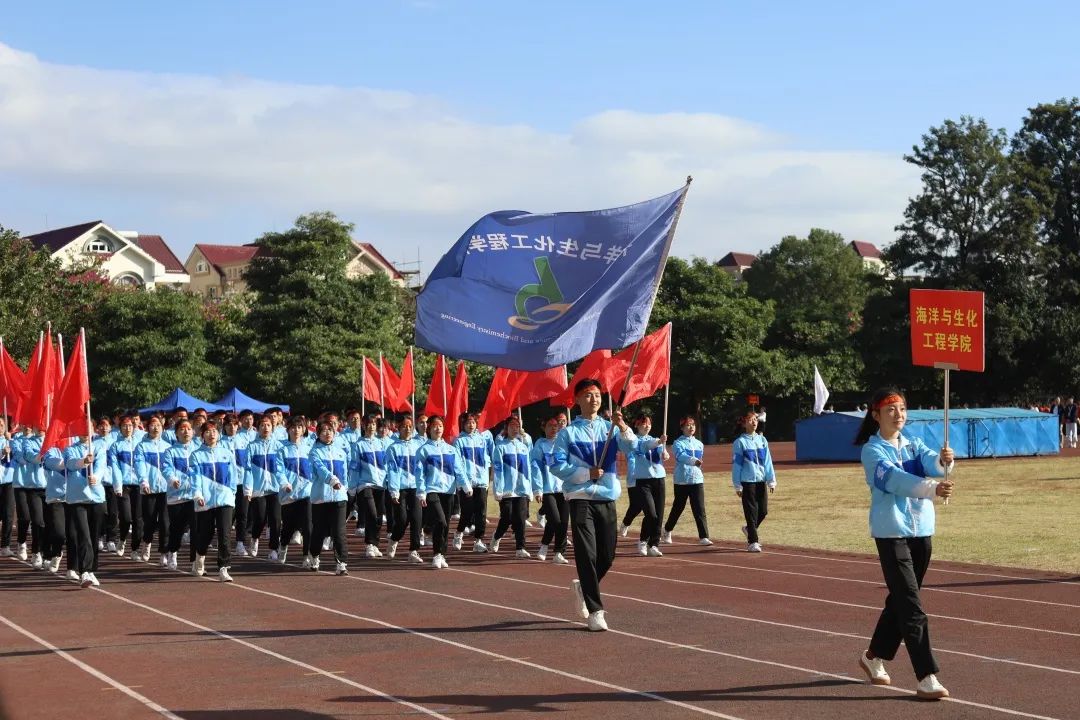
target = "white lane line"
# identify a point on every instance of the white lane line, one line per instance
(667, 643)
(164, 712)
(775, 623)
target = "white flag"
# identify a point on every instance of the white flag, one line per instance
(821, 393)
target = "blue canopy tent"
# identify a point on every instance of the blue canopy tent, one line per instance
(180, 399)
(236, 401)
(975, 432)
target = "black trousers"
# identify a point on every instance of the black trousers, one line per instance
(296, 517)
(131, 520)
(696, 495)
(263, 511)
(242, 517)
(438, 505)
(30, 509)
(652, 493)
(55, 531)
(367, 504)
(595, 537)
(755, 505)
(7, 512)
(181, 519)
(407, 511)
(328, 520)
(111, 523)
(557, 512)
(84, 521)
(474, 511)
(512, 513)
(903, 563)
(218, 519)
(155, 512)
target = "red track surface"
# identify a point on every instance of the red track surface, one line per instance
(700, 632)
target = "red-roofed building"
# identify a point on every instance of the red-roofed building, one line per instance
(736, 262)
(368, 260)
(869, 253)
(125, 258)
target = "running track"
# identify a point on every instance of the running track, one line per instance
(701, 632)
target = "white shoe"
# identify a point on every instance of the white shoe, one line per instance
(146, 553)
(54, 564)
(185, 539)
(280, 555)
(372, 551)
(297, 538)
(223, 575)
(359, 531)
(136, 556)
(21, 554)
(100, 545)
(436, 562)
(542, 520)
(541, 554)
(753, 547)
(579, 599)
(457, 540)
(528, 523)
(307, 562)
(495, 545)
(84, 580)
(704, 541)
(391, 549)
(597, 623)
(273, 556)
(455, 516)
(163, 561)
(253, 551)
(326, 543)
(36, 561)
(314, 566)
(930, 689)
(414, 557)
(73, 575)
(624, 530)
(471, 530)
(559, 559)
(423, 539)
(655, 552)
(354, 516)
(198, 568)
(442, 562)
(341, 569)
(121, 548)
(111, 547)
(378, 552)
(6, 552)
(478, 546)
(667, 538)
(172, 561)
(642, 548)
(94, 581)
(875, 670)
(522, 554)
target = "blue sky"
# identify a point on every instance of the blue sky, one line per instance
(215, 122)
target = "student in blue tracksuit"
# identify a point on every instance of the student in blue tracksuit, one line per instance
(153, 489)
(88, 473)
(128, 498)
(367, 480)
(55, 518)
(555, 510)
(440, 470)
(476, 449)
(645, 469)
(182, 476)
(751, 473)
(513, 485)
(30, 483)
(591, 486)
(247, 426)
(261, 485)
(237, 444)
(401, 487)
(295, 491)
(217, 480)
(898, 472)
(689, 481)
(7, 489)
(329, 493)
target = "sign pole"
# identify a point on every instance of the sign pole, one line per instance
(947, 367)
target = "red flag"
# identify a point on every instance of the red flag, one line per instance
(371, 381)
(37, 407)
(12, 381)
(459, 402)
(438, 397)
(407, 386)
(652, 370)
(395, 399)
(540, 385)
(514, 388)
(597, 365)
(69, 414)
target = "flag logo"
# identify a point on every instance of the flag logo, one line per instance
(547, 289)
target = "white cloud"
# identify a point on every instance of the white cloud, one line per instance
(412, 166)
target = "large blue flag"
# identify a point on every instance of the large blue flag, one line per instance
(529, 292)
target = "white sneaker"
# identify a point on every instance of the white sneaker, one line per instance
(84, 580)
(111, 547)
(753, 547)
(541, 554)
(542, 520)
(326, 543)
(341, 569)
(136, 556)
(655, 552)
(280, 555)
(21, 554)
(36, 561)
(371, 551)
(436, 562)
(457, 540)
(314, 566)
(94, 581)
(73, 575)
(172, 561)
(100, 545)
(455, 516)
(579, 599)
(354, 516)
(423, 539)
(478, 546)
(121, 548)
(359, 531)
(559, 559)
(597, 623)
(223, 575)
(241, 548)
(528, 523)
(273, 556)
(253, 551)
(442, 562)
(642, 548)
(704, 541)
(6, 552)
(307, 562)
(495, 545)
(163, 561)
(930, 689)
(522, 554)
(378, 552)
(414, 557)
(875, 670)
(667, 538)
(185, 539)
(198, 568)
(391, 549)
(297, 538)
(624, 530)
(54, 564)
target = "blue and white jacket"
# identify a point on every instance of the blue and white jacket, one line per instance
(150, 464)
(687, 449)
(79, 489)
(250, 434)
(32, 476)
(401, 465)
(541, 458)
(901, 496)
(7, 464)
(280, 434)
(327, 463)
(751, 461)
(645, 460)
(296, 472)
(367, 462)
(122, 459)
(513, 469)
(55, 476)
(238, 445)
(475, 450)
(578, 447)
(440, 469)
(180, 468)
(264, 473)
(216, 477)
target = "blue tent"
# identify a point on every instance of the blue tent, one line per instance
(236, 401)
(976, 432)
(177, 399)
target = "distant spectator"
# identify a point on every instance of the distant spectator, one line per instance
(1070, 422)
(761, 417)
(828, 410)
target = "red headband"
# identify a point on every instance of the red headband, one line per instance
(888, 400)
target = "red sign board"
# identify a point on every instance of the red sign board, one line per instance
(948, 329)
(752, 399)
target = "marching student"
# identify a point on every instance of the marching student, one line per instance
(88, 473)
(401, 486)
(367, 481)
(902, 525)
(110, 527)
(238, 444)
(153, 489)
(439, 470)
(591, 486)
(55, 518)
(645, 464)
(474, 449)
(126, 485)
(689, 481)
(295, 492)
(30, 483)
(216, 481)
(329, 466)
(7, 489)
(169, 433)
(277, 420)
(182, 476)
(555, 510)
(262, 481)
(247, 426)
(751, 471)
(513, 486)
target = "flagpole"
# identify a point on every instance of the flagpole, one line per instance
(89, 420)
(667, 388)
(382, 397)
(413, 371)
(446, 378)
(363, 385)
(3, 370)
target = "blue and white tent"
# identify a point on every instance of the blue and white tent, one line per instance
(180, 399)
(236, 401)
